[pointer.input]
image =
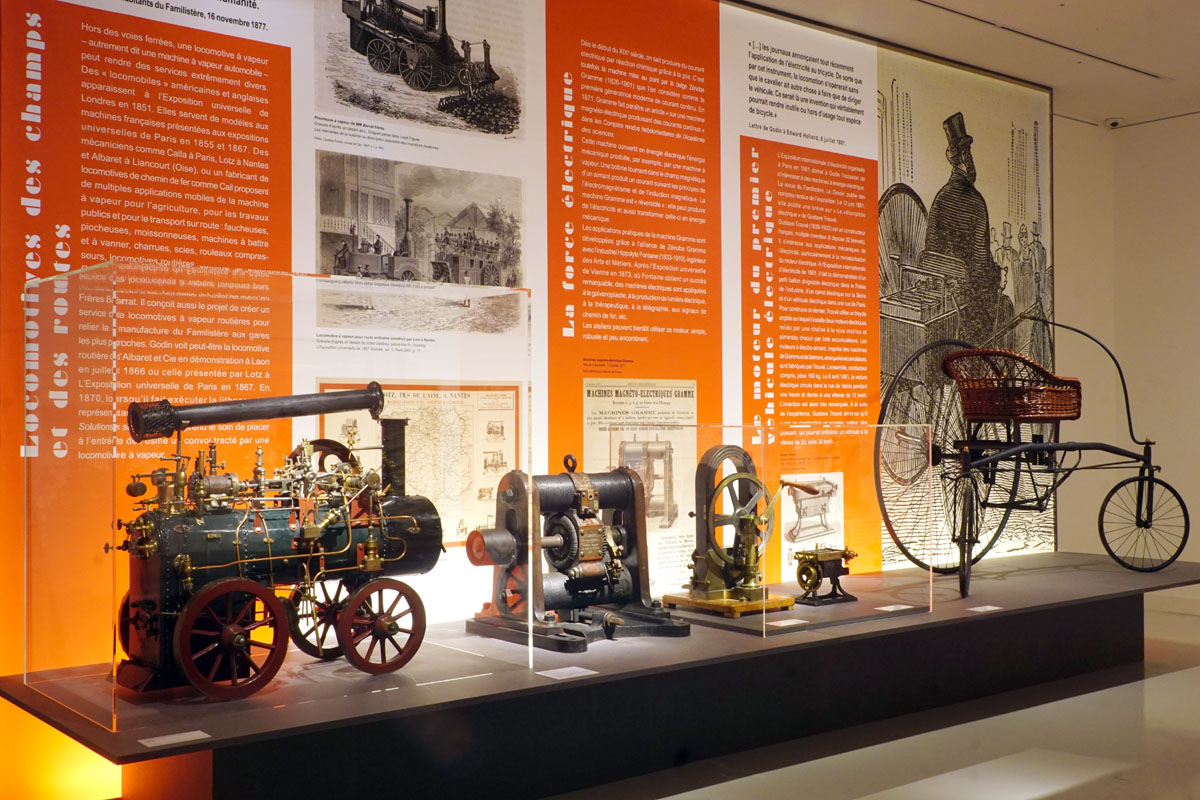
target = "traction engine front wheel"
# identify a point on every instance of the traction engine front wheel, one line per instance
(231, 638)
(317, 611)
(382, 626)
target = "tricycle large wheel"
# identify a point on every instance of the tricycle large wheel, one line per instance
(921, 418)
(231, 638)
(1136, 538)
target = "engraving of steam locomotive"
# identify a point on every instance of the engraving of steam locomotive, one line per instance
(208, 550)
(397, 37)
(462, 257)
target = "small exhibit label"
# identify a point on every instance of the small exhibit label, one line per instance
(174, 738)
(900, 607)
(981, 609)
(786, 623)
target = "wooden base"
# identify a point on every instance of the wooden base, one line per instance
(729, 607)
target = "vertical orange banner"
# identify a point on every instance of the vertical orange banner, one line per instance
(810, 317)
(633, 108)
(166, 151)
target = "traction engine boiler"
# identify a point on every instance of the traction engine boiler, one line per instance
(208, 549)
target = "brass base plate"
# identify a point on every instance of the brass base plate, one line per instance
(729, 607)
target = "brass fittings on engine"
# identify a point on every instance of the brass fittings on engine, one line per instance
(183, 565)
(142, 543)
(371, 562)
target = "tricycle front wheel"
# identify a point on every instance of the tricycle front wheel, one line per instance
(1143, 523)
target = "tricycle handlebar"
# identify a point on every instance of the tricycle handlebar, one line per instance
(1120, 372)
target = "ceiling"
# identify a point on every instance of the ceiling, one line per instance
(1136, 61)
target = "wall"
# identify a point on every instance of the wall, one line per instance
(1157, 192)
(1085, 296)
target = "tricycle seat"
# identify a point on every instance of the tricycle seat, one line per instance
(999, 385)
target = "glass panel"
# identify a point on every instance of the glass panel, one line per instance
(296, 466)
(71, 593)
(843, 485)
(819, 517)
(709, 554)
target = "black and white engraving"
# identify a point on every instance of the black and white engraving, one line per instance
(454, 64)
(409, 222)
(960, 178)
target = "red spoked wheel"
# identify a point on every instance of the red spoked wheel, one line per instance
(231, 638)
(317, 611)
(382, 626)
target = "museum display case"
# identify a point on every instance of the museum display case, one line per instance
(72, 589)
(225, 502)
(216, 512)
(752, 528)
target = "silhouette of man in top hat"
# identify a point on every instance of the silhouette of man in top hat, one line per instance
(957, 234)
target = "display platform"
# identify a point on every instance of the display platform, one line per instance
(468, 717)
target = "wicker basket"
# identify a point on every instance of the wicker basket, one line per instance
(1000, 385)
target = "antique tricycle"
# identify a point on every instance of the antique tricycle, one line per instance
(985, 420)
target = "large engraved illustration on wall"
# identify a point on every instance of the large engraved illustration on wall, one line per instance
(959, 173)
(963, 169)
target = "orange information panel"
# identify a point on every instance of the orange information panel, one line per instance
(810, 314)
(163, 152)
(167, 151)
(634, 245)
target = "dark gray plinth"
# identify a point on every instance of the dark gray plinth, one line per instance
(468, 718)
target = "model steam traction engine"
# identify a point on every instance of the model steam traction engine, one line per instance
(592, 529)
(208, 548)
